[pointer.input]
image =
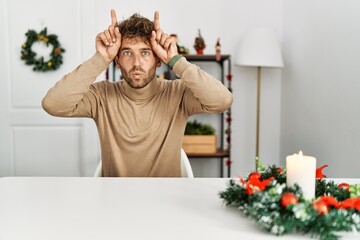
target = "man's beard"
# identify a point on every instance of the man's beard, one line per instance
(146, 77)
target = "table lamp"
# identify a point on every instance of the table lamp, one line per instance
(259, 48)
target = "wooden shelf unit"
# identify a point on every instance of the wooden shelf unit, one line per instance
(222, 152)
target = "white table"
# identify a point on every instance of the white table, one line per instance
(50, 208)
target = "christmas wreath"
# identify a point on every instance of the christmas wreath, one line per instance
(280, 209)
(29, 56)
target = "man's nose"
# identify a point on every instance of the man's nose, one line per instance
(137, 59)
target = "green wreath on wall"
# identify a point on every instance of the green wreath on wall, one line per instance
(29, 56)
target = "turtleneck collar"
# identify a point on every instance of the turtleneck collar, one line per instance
(146, 92)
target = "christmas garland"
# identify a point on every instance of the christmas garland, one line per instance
(39, 63)
(282, 209)
(228, 120)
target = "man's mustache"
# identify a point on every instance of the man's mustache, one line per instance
(137, 69)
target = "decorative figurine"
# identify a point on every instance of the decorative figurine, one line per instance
(218, 50)
(199, 44)
(181, 49)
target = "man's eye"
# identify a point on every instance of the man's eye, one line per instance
(126, 53)
(146, 53)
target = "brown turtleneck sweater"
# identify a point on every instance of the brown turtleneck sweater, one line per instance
(140, 130)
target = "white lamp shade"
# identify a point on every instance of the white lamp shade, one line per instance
(260, 48)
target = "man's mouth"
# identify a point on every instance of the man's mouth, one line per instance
(137, 75)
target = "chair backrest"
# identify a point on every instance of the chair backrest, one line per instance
(186, 170)
(98, 170)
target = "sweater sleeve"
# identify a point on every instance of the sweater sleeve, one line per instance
(74, 95)
(204, 94)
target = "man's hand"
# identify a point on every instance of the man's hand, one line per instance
(108, 42)
(162, 44)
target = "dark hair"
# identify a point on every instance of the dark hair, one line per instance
(136, 26)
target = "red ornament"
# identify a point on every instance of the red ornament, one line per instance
(228, 163)
(229, 77)
(330, 201)
(321, 207)
(279, 170)
(254, 176)
(288, 198)
(228, 119)
(57, 50)
(344, 186)
(319, 173)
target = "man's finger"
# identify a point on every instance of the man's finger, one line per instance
(153, 40)
(156, 20)
(113, 17)
(117, 33)
(118, 36)
(102, 38)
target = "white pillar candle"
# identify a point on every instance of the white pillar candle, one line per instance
(302, 170)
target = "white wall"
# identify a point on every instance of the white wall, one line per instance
(242, 16)
(321, 83)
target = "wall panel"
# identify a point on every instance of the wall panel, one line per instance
(46, 150)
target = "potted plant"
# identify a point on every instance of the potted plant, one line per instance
(199, 138)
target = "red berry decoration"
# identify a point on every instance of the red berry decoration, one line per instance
(288, 198)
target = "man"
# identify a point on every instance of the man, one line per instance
(140, 119)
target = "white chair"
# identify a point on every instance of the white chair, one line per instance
(186, 170)
(98, 170)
